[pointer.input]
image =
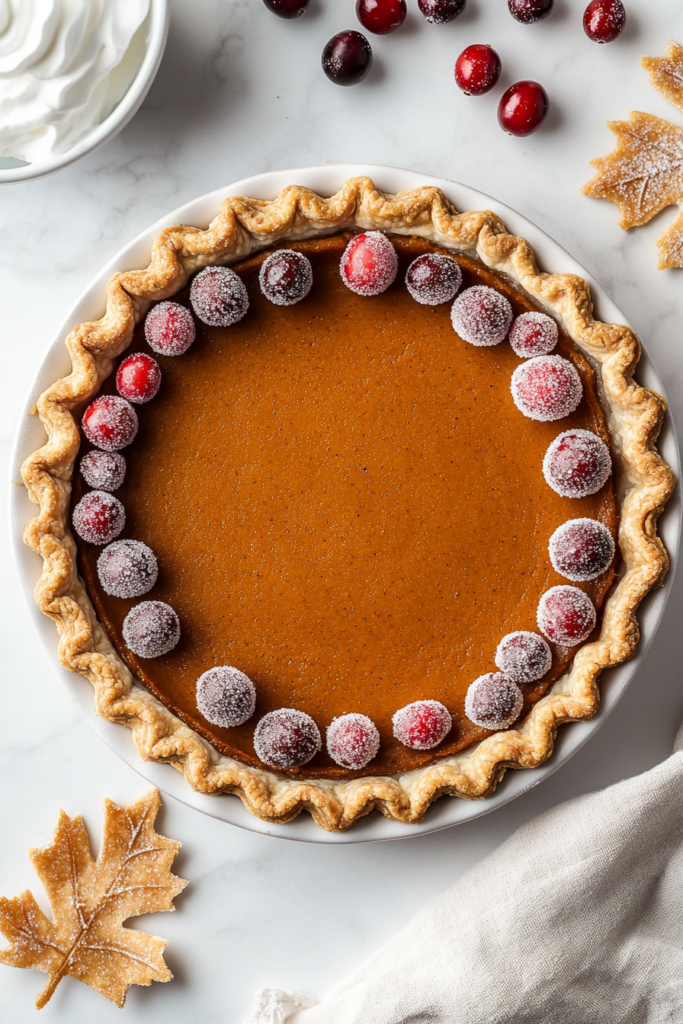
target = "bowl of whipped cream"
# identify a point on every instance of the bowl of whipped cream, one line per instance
(72, 74)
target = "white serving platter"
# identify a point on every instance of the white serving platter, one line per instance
(447, 811)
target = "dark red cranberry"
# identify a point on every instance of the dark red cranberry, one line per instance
(286, 277)
(286, 8)
(226, 696)
(529, 11)
(286, 738)
(99, 517)
(169, 329)
(138, 378)
(604, 20)
(577, 464)
(422, 724)
(151, 629)
(110, 423)
(369, 264)
(477, 69)
(523, 657)
(522, 108)
(440, 12)
(533, 334)
(347, 58)
(493, 701)
(381, 16)
(219, 297)
(566, 615)
(581, 549)
(127, 568)
(103, 471)
(481, 316)
(433, 278)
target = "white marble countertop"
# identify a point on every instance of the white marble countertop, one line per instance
(240, 92)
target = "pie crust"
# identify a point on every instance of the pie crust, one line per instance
(634, 416)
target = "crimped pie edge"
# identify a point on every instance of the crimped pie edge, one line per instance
(242, 226)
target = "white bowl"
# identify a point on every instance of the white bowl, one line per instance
(447, 810)
(157, 34)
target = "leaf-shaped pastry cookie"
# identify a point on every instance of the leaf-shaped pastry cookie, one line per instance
(91, 899)
(666, 74)
(670, 245)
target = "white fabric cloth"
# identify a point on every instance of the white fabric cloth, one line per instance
(576, 919)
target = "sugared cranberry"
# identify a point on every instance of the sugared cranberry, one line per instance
(546, 388)
(110, 423)
(99, 517)
(523, 657)
(151, 629)
(529, 11)
(226, 696)
(581, 549)
(604, 20)
(286, 8)
(440, 12)
(481, 316)
(352, 741)
(138, 378)
(533, 334)
(422, 724)
(522, 108)
(347, 58)
(219, 297)
(369, 264)
(477, 69)
(566, 615)
(381, 16)
(286, 277)
(127, 568)
(103, 471)
(169, 329)
(493, 701)
(433, 278)
(286, 738)
(577, 464)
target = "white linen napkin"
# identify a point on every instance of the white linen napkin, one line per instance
(576, 919)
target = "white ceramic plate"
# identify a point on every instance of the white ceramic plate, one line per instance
(447, 810)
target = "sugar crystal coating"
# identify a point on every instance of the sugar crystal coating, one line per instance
(226, 696)
(286, 738)
(352, 740)
(151, 629)
(138, 378)
(546, 388)
(533, 334)
(286, 277)
(433, 278)
(493, 701)
(103, 471)
(369, 264)
(110, 423)
(566, 615)
(581, 549)
(422, 724)
(127, 568)
(99, 517)
(481, 316)
(219, 297)
(577, 463)
(523, 656)
(169, 329)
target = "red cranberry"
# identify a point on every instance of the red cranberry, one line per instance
(433, 278)
(169, 329)
(369, 264)
(566, 615)
(422, 724)
(138, 378)
(529, 11)
(581, 549)
(522, 108)
(546, 388)
(523, 657)
(481, 316)
(493, 701)
(99, 517)
(286, 738)
(286, 277)
(127, 568)
(151, 629)
(352, 741)
(381, 16)
(440, 12)
(533, 334)
(226, 696)
(103, 471)
(110, 423)
(477, 69)
(219, 297)
(286, 8)
(604, 20)
(577, 463)
(347, 58)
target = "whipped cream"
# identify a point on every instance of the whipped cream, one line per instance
(64, 66)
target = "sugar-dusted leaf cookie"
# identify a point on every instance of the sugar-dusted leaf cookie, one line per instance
(666, 74)
(670, 245)
(90, 900)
